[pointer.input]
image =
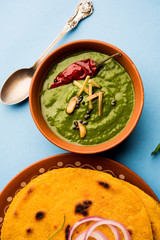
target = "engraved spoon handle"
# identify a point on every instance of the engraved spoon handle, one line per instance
(83, 10)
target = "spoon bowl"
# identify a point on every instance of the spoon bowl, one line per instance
(16, 87)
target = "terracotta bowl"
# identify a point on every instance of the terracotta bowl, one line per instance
(57, 55)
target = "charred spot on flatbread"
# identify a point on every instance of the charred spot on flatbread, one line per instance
(130, 231)
(87, 202)
(67, 231)
(40, 215)
(28, 193)
(104, 184)
(15, 213)
(153, 229)
(29, 230)
(82, 208)
(30, 190)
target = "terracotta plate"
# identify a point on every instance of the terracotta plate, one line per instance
(68, 160)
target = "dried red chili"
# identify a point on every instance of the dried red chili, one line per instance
(78, 71)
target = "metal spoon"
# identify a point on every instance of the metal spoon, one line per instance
(16, 87)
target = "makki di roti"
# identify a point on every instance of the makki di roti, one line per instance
(152, 208)
(38, 210)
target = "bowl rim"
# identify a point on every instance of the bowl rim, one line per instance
(92, 148)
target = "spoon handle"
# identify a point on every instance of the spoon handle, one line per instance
(83, 10)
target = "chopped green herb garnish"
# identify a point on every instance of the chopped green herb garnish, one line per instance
(58, 230)
(156, 150)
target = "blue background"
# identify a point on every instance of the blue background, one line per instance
(26, 30)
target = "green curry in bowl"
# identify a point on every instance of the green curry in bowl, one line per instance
(117, 102)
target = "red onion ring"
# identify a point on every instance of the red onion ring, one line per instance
(108, 222)
(94, 218)
(84, 220)
(115, 232)
(98, 235)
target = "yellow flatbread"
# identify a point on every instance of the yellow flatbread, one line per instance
(38, 210)
(152, 208)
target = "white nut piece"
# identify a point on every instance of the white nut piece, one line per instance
(71, 105)
(82, 130)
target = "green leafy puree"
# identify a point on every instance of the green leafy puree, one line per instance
(114, 81)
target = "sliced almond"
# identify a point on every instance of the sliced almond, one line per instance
(90, 93)
(100, 104)
(82, 130)
(83, 86)
(77, 84)
(94, 84)
(95, 95)
(71, 105)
